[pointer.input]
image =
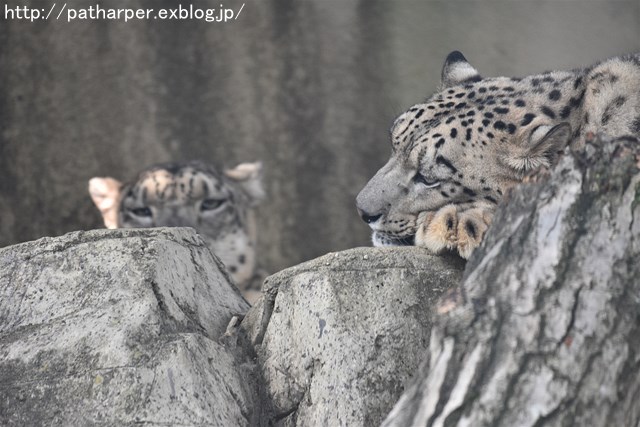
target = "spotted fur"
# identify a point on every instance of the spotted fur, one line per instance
(194, 194)
(456, 154)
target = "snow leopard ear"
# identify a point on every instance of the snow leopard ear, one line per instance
(457, 70)
(249, 177)
(544, 144)
(105, 193)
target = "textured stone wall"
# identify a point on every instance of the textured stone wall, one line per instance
(309, 87)
(119, 328)
(130, 327)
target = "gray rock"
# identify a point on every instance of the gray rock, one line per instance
(337, 338)
(118, 328)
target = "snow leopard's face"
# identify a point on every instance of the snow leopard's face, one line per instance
(465, 145)
(194, 194)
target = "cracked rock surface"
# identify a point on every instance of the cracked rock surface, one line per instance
(337, 338)
(545, 328)
(116, 328)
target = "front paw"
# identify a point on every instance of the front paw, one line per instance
(437, 230)
(453, 227)
(472, 226)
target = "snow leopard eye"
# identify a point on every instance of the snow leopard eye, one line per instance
(419, 178)
(211, 204)
(141, 212)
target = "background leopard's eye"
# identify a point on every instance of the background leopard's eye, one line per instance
(419, 178)
(143, 212)
(211, 204)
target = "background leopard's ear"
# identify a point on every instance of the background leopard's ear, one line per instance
(457, 70)
(249, 177)
(105, 193)
(544, 144)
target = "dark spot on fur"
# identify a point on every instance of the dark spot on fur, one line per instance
(635, 126)
(511, 128)
(233, 269)
(468, 136)
(491, 199)
(566, 111)
(548, 112)
(501, 110)
(471, 95)
(528, 118)
(449, 223)
(482, 90)
(486, 122)
(554, 95)
(614, 105)
(440, 143)
(420, 113)
(500, 125)
(459, 95)
(445, 194)
(577, 83)
(574, 102)
(488, 115)
(453, 132)
(461, 105)
(469, 192)
(242, 259)
(535, 82)
(490, 135)
(520, 103)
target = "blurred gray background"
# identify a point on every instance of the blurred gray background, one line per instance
(308, 87)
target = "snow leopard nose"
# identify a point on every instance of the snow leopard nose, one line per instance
(368, 218)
